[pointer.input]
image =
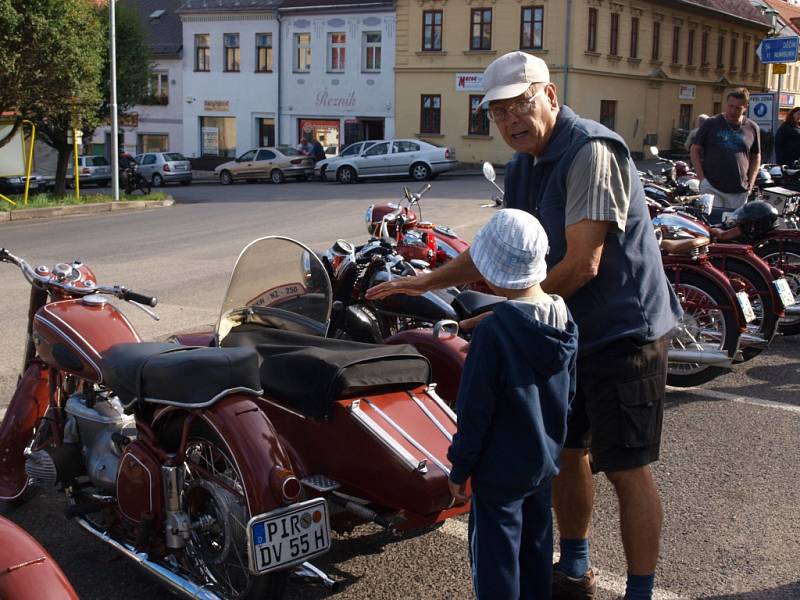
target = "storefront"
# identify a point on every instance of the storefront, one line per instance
(218, 136)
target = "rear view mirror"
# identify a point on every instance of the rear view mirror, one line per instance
(653, 151)
(488, 171)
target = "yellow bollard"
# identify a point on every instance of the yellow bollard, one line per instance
(30, 159)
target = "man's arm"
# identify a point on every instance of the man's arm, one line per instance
(581, 262)
(459, 270)
(752, 170)
(696, 153)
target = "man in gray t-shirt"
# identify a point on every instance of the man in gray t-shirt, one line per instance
(726, 153)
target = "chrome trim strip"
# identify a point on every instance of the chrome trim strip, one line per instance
(284, 408)
(431, 391)
(163, 574)
(408, 437)
(207, 403)
(435, 421)
(370, 425)
(80, 350)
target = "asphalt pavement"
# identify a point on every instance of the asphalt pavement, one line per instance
(728, 474)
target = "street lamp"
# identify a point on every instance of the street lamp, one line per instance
(114, 122)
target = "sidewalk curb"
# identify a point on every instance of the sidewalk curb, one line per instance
(26, 214)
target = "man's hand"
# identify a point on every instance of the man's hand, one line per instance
(459, 492)
(410, 286)
(472, 322)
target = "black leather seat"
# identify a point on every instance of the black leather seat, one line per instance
(470, 303)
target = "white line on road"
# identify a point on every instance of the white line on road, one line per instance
(741, 399)
(606, 581)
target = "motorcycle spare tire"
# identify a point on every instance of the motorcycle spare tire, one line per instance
(196, 498)
(703, 289)
(788, 260)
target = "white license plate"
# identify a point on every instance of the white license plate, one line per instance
(103, 170)
(288, 536)
(747, 308)
(784, 291)
(180, 167)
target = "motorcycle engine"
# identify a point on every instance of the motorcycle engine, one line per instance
(97, 418)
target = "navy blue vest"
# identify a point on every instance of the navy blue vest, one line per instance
(630, 297)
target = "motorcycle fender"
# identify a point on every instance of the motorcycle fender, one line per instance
(718, 277)
(27, 406)
(251, 440)
(744, 254)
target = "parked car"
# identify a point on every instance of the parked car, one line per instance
(331, 151)
(15, 184)
(385, 158)
(275, 162)
(329, 164)
(91, 169)
(160, 168)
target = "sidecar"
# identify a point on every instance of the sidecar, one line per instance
(362, 423)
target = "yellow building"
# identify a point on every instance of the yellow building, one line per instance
(645, 68)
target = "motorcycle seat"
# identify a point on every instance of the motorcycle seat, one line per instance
(471, 303)
(309, 373)
(189, 376)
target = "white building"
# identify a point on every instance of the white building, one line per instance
(337, 70)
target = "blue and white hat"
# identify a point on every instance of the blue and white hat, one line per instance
(509, 251)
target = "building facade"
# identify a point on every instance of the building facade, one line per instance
(644, 68)
(337, 71)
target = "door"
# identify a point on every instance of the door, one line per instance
(245, 165)
(264, 161)
(147, 166)
(404, 153)
(375, 161)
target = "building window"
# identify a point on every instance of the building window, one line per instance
(202, 52)
(717, 108)
(690, 49)
(531, 28)
(676, 45)
(432, 30)
(264, 52)
(266, 132)
(302, 52)
(218, 136)
(656, 40)
(608, 113)
(336, 52)
(157, 89)
(614, 34)
(704, 50)
(745, 56)
(734, 50)
(478, 119)
(371, 58)
(431, 114)
(685, 118)
(231, 51)
(481, 38)
(151, 142)
(720, 51)
(634, 37)
(591, 41)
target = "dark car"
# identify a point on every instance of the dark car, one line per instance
(15, 184)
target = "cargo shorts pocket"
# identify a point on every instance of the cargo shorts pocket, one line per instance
(641, 405)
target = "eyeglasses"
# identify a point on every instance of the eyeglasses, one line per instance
(519, 107)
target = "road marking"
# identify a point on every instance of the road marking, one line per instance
(606, 581)
(741, 399)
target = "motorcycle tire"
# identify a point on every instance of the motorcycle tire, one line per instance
(697, 288)
(202, 496)
(787, 261)
(760, 293)
(143, 185)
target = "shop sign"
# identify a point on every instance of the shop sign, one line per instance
(216, 105)
(469, 82)
(210, 140)
(129, 120)
(687, 91)
(324, 99)
(787, 99)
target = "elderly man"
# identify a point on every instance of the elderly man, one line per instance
(577, 177)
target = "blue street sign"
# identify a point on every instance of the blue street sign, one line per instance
(778, 50)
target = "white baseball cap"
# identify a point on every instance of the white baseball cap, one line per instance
(512, 74)
(509, 251)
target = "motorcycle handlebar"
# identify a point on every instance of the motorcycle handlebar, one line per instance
(138, 298)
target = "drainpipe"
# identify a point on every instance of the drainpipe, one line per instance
(280, 70)
(567, 32)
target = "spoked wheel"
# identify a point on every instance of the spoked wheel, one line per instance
(704, 327)
(213, 497)
(787, 260)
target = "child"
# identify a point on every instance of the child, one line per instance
(518, 382)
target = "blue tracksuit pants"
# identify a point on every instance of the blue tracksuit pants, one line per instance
(511, 545)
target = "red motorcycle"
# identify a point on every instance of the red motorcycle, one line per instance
(27, 571)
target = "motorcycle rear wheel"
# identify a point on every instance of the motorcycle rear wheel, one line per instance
(217, 553)
(703, 324)
(788, 261)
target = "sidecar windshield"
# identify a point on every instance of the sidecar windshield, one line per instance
(280, 283)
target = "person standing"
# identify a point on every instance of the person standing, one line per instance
(317, 151)
(577, 177)
(787, 139)
(726, 155)
(693, 133)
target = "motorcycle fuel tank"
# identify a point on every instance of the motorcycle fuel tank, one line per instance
(72, 334)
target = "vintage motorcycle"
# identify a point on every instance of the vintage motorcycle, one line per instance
(27, 571)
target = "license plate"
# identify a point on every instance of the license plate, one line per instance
(747, 308)
(103, 170)
(784, 291)
(180, 167)
(288, 536)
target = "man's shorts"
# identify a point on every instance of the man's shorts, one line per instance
(619, 404)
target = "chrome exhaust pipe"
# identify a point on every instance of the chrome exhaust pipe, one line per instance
(792, 310)
(701, 357)
(164, 575)
(311, 574)
(749, 340)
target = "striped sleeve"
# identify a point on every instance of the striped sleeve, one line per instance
(598, 186)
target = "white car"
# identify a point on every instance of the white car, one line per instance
(387, 158)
